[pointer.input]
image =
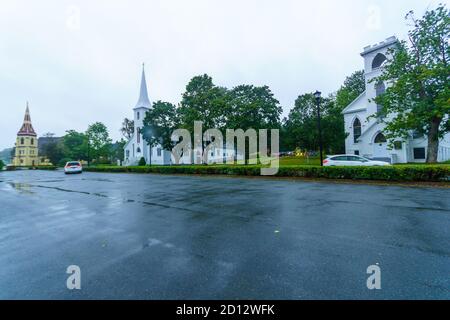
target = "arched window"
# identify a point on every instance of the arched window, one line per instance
(356, 130)
(32, 141)
(138, 150)
(380, 138)
(138, 115)
(380, 89)
(378, 61)
(22, 141)
(138, 131)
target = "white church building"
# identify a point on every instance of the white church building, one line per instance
(137, 147)
(365, 132)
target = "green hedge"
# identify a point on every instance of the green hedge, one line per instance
(393, 173)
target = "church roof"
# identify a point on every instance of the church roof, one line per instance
(144, 101)
(27, 127)
(350, 108)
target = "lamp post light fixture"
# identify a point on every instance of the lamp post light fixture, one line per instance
(318, 96)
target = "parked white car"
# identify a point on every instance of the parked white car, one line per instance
(73, 167)
(352, 160)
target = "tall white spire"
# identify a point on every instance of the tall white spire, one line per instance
(144, 101)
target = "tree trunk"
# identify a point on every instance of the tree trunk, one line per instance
(433, 141)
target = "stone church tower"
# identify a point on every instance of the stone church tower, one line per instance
(26, 144)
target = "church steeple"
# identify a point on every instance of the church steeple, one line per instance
(144, 101)
(27, 128)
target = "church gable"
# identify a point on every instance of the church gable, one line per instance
(359, 104)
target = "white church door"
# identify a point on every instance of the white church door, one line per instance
(380, 147)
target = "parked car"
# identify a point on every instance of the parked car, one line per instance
(73, 167)
(351, 160)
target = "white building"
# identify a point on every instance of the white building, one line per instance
(365, 132)
(137, 147)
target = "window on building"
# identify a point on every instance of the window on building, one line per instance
(127, 154)
(419, 153)
(138, 115)
(380, 138)
(158, 151)
(357, 152)
(138, 132)
(32, 141)
(380, 89)
(356, 130)
(378, 61)
(138, 150)
(133, 150)
(398, 145)
(22, 141)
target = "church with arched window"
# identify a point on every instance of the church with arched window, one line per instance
(26, 154)
(362, 118)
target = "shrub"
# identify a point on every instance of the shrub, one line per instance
(142, 162)
(394, 173)
(2, 164)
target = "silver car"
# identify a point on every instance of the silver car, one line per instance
(352, 160)
(73, 167)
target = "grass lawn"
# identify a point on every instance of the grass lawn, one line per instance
(293, 161)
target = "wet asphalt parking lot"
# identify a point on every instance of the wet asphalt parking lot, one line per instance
(193, 237)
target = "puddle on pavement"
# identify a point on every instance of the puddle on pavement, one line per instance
(21, 187)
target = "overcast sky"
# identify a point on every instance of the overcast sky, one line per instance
(78, 62)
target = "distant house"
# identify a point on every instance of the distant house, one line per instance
(366, 136)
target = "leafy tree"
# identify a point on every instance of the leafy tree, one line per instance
(53, 150)
(99, 141)
(252, 107)
(202, 101)
(118, 150)
(74, 145)
(300, 128)
(418, 95)
(1, 164)
(127, 129)
(159, 123)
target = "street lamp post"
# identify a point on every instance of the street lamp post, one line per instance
(88, 152)
(317, 95)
